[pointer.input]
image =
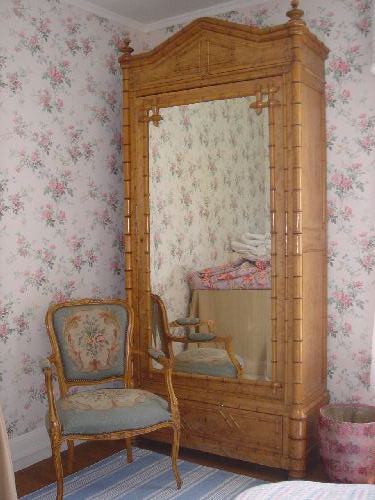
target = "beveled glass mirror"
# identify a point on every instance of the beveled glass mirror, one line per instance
(210, 241)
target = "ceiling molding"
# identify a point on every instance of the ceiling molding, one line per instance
(106, 13)
(220, 8)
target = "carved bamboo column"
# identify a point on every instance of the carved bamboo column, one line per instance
(125, 61)
(297, 421)
(274, 230)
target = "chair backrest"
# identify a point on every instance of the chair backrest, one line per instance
(159, 325)
(90, 340)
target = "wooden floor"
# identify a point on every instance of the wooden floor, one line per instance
(42, 473)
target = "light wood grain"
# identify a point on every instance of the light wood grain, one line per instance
(214, 59)
(55, 426)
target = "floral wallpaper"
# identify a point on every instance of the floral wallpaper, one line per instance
(60, 182)
(345, 27)
(60, 178)
(209, 183)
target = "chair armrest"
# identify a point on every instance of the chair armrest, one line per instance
(155, 354)
(159, 357)
(192, 322)
(193, 338)
(186, 321)
(227, 342)
(223, 340)
(46, 366)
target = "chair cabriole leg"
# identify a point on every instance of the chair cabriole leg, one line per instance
(129, 451)
(175, 448)
(70, 455)
(56, 455)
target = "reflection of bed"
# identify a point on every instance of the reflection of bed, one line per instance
(308, 490)
(243, 274)
(245, 315)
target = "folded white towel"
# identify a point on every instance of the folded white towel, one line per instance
(238, 246)
(253, 246)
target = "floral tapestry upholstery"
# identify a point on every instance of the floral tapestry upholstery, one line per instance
(91, 340)
(110, 410)
(206, 361)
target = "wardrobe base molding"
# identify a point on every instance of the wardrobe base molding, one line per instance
(267, 439)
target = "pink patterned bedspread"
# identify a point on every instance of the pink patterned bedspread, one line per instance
(242, 274)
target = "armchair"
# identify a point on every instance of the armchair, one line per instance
(205, 360)
(91, 344)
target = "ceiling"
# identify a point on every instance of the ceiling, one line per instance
(148, 15)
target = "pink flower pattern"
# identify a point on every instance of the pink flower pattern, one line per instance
(197, 203)
(346, 435)
(242, 274)
(36, 39)
(92, 338)
(345, 28)
(51, 149)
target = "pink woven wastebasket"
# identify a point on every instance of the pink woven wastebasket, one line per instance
(347, 442)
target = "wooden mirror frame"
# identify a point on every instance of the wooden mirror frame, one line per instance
(267, 95)
(212, 59)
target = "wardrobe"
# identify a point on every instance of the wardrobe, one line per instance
(237, 83)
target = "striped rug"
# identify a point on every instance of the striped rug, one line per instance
(148, 477)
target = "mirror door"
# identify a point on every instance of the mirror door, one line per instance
(210, 233)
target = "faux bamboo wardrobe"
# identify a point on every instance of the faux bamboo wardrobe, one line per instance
(269, 420)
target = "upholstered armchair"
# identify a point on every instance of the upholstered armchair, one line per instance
(206, 359)
(91, 344)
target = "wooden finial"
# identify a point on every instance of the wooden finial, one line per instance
(258, 104)
(295, 14)
(154, 115)
(126, 50)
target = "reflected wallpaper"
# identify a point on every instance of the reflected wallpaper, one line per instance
(60, 182)
(345, 26)
(209, 183)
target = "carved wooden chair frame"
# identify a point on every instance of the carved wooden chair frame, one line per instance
(169, 338)
(57, 436)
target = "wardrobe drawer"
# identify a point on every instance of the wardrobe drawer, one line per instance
(244, 428)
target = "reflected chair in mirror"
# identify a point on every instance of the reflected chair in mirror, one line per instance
(205, 359)
(91, 344)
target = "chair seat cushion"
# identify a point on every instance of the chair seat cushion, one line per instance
(206, 361)
(110, 410)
